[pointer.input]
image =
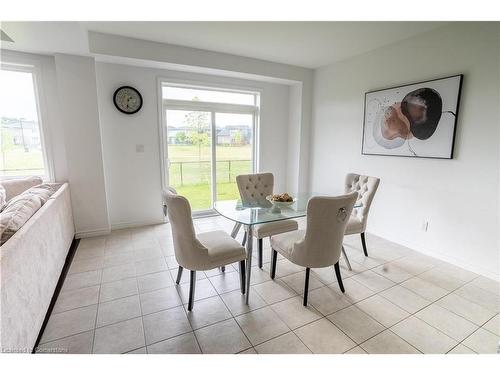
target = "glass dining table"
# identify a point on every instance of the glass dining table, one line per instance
(260, 211)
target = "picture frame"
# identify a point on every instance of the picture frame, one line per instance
(413, 120)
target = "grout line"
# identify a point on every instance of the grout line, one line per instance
(142, 317)
(386, 328)
(186, 313)
(414, 315)
(296, 328)
(140, 347)
(270, 305)
(233, 316)
(302, 341)
(73, 334)
(493, 317)
(230, 312)
(96, 314)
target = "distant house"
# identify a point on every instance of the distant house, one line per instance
(234, 134)
(228, 135)
(24, 133)
(173, 134)
(224, 137)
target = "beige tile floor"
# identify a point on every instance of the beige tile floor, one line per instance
(120, 297)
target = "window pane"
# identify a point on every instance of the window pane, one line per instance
(234, 151)
(20, 142)
(190, 155)
(182, 93)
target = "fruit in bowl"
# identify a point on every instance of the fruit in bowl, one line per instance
(280, 201)
(285, 197)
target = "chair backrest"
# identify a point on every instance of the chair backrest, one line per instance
(188, 250)
(366, 187)
(327, 218)
(255, 187)
(164, 197)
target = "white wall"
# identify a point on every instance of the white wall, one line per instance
(459, 196)
(79, 118)
(67, 93)
(293, 134)
(130, 189)
(223, 64)
(133, 180)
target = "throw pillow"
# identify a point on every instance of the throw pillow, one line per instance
(3, 197)
(22, 207)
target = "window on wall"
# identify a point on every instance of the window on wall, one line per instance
(22, 150)
(209, 137)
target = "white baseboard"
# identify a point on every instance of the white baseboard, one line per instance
(135, 224)
(445, 258)
(92, 233)
(116, 226)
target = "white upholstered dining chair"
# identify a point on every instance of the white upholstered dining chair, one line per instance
(202, 251)
(164, 194)
(366, 187)
(254, 188)
(320, 244)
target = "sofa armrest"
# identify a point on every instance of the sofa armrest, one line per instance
(17, 186)
(31, 262)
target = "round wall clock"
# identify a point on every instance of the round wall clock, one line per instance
(127, 100)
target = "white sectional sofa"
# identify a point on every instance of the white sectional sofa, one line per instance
(31, 263)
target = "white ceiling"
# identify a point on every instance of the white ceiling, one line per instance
(306, 44)
(46, 37)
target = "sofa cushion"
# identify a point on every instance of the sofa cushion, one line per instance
(17, 186)
(20, 208)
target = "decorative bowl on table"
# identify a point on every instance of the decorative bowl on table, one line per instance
(280, 201)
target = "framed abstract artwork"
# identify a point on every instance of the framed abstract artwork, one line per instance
(413, 120)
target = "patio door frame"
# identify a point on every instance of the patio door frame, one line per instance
(213, 109)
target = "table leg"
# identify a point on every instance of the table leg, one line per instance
(234, 233)
(249, 246)
(235, 230)
(346, 259)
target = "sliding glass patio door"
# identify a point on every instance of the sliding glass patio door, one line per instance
(207, 144)
(233, 152)
(189, 135)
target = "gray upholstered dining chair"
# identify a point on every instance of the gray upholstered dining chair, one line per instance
(254, 188)
(202, 251)
(320, 244)
(366, 187)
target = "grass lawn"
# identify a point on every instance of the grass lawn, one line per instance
(192, 153)
(15, 161)
(190, 175)
(199, 195)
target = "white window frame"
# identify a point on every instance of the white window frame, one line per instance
(34, 68)
(212, 107)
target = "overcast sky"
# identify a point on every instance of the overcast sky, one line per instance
(17, 96)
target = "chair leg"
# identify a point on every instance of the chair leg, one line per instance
(192, 284)
(259, 248)
(306, 286)
(339, 277)
(242, 276)
(363, 242)
(274, 256)
(179, 275)
(244, 239)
